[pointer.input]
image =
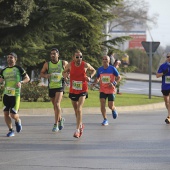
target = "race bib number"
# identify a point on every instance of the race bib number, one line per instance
(167, 79)
(77, 85)
(56, 77)
(105, 79)
(10, 91)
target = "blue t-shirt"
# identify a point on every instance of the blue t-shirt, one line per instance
(109, 70)
(106, 77)
(166, 77)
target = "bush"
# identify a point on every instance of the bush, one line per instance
(1, 91)
(32, 92)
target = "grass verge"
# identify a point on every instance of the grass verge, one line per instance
(93, 101)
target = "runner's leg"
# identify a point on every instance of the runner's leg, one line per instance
(79, 110)
(8, 120)
(103, 107)
(56, 104)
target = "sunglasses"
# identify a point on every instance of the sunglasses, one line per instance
(79, 56)
(167, 56)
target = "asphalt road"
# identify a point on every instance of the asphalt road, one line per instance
(141, 87)
(135, 141)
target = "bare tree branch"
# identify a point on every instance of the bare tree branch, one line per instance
(130, 12)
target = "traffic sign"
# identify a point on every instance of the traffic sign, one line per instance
(146, 45)
(150, 48)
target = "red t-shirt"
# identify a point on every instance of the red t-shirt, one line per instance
(78, 83)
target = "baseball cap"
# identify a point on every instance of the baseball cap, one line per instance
(55, 49)
(13, 54)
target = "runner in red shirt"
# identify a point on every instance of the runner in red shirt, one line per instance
(77, 69)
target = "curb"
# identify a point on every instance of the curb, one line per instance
(144, 80)
(92, 110)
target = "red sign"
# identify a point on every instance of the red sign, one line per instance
(136, 41)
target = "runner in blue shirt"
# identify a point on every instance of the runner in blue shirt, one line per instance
(108, 76)
(164, 72)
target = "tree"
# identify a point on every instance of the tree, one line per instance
(66, 24)
(15, 13)
(140, 60)
(131, 11)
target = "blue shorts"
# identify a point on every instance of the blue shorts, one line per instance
(111, 97)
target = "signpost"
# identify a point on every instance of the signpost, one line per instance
(150, 48)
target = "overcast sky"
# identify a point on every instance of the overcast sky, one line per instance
(161, 32)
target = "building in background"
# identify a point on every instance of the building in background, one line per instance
(137, 30)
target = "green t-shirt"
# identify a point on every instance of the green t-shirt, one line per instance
(56, 79)
(11, 76)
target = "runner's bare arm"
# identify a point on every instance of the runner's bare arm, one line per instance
(66, 71)
(118, 78)
(96, 80)
(91, 69)
(64, 63)
(26, 79)
(43, 72)
(1, 79)
(159, 75)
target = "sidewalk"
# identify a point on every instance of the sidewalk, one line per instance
(141, 77)
(123, 109)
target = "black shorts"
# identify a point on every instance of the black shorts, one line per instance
(11, 103)
(111, 97)
(165, 92)
(52, 92)
(75, 97)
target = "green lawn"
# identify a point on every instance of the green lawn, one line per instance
(93, 101)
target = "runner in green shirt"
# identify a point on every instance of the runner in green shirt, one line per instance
(52, 71)
(12, 76)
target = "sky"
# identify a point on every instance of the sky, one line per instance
(160, 32)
